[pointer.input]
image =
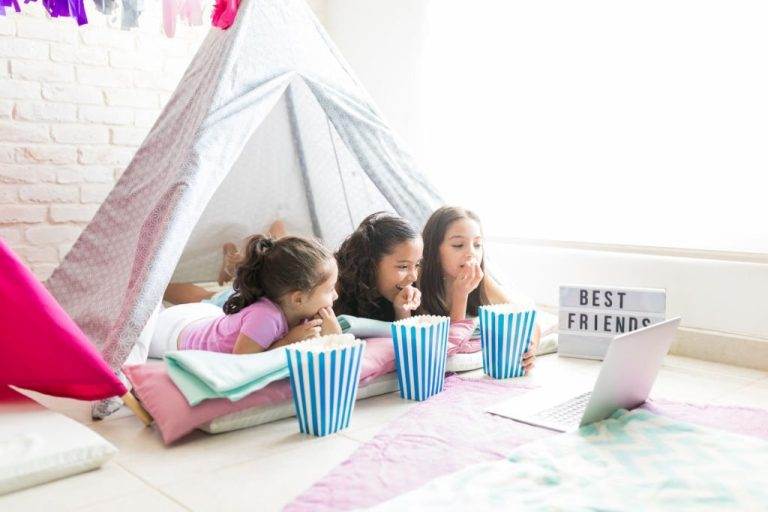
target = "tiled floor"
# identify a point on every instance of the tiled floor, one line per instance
(263, 468)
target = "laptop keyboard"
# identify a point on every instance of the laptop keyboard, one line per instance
(566, 413)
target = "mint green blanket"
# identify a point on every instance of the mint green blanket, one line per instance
(364, 327)
(370, 328)
(202, 375)
(632, 461)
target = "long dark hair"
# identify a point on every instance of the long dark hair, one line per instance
(431, 280)
(271, 268)
(358, 259)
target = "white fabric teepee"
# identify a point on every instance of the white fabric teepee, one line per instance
(268, 122)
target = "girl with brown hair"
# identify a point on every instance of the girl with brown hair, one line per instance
(453, 281)
(283, 293)
(378, 267)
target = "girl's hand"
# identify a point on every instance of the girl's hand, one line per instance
(468, 279)
(408, 300)
(304, 331)
(330, 324)
(529, 358)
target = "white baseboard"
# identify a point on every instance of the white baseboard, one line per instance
(722, 298)
(722, 348)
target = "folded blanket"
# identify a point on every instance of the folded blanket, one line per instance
(175, 418)
(202, 375)
(370, 328)
(463, 336)
(364, 327)
(463, 339)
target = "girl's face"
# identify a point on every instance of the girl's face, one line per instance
(399, 268)
(463, 242)
(323, 295)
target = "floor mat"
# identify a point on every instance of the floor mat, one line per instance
(451, 431)
(634, 460)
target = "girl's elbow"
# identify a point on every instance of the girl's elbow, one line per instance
(245, 348)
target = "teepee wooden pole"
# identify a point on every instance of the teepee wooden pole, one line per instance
(137, 408)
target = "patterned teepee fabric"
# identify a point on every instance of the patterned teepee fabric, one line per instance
(268, 122)
(633, 461)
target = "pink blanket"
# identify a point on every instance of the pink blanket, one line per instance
(451, 431)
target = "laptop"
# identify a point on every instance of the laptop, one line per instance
(625, 380)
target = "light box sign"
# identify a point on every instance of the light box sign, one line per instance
(591, 316)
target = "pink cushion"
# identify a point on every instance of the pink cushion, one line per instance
(460, 340)
(175, 418)
(41, 347)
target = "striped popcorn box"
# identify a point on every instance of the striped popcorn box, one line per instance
(505, 335)
(324, 374)
(421, 347)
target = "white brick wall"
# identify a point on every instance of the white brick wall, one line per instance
(75, 104)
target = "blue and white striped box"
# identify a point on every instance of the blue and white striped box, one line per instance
(324, 374)
(421, 348)
(505, 335)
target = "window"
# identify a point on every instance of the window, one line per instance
(638, 123)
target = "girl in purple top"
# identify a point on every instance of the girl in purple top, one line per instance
(283, 293)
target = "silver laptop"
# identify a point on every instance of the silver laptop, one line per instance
(625, 380)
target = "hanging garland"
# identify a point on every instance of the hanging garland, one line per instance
(224, 13)
(55, 8)
(223, 16)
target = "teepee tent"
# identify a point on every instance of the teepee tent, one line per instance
(268, 122)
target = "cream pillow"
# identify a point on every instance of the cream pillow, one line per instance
(38, 445)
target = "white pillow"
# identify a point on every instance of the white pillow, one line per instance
(547, 322)
(38, 445)
(464, 362)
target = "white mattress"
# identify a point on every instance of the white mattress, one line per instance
(261, 415)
